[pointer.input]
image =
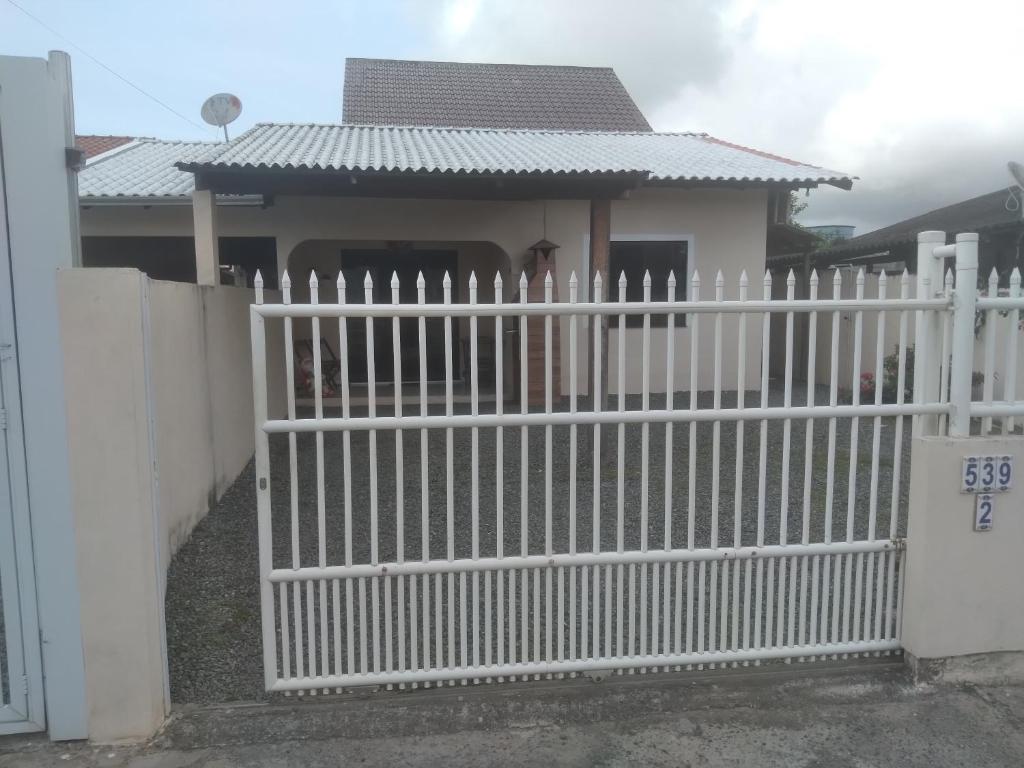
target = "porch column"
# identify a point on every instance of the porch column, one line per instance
(600, 250)
(204, 214)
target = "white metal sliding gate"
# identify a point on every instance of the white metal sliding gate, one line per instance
(21, 679)
(727, 519)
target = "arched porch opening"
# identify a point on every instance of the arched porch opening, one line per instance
(382, 260)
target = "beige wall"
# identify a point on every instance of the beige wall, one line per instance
(963, 592)
(726, 230)
(114, 493)
(160, 422)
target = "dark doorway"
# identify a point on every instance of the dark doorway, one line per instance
(381, 265)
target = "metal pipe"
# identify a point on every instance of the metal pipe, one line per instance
(592, 308)
(558, 560)
(964, 302)
(583, 665)
(565, 418)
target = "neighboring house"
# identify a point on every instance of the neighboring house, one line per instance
(454, 168)
(997, 217)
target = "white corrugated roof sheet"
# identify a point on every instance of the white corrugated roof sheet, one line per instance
(662, 156)
(142, 168)
(149, 168)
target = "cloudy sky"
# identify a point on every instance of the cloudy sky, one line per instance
(924, 101)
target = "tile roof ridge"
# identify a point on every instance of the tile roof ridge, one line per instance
(481, 129)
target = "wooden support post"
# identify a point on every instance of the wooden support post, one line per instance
(600, 250)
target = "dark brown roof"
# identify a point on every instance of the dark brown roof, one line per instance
(977, 214)
(513, 96)
(97, 145)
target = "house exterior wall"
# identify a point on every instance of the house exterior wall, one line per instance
(726, 230)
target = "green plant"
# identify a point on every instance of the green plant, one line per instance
(890, 376)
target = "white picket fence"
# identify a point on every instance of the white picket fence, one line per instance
(419, 544)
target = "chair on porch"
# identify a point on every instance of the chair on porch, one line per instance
(330, 363)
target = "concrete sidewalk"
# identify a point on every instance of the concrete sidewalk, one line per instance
(866, 714)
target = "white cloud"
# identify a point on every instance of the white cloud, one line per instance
(923, 99)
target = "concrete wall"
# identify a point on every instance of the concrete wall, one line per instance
(726, 230)
(963, 593)
(112, 469)
(160, 421)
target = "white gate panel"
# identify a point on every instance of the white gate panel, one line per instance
(486, 540)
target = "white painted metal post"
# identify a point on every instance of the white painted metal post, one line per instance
(262, 466)
(927, 328)
(964, 301)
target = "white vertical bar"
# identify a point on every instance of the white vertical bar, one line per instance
(787, 437)
(741, 387)
(988, 368)
(645, 433)
(830, 466)
(524, 441)
(321, 503)
(876, 438)
(621, 469)
(1013, 334)
(716, 460)
(961, 370)
(371, 394)
(851, 497)
(897, 463)
(421, 322)
(670, 385)
(257, 331)
(573, 331)
(762, 470)
(474, 396)
(293, 475)
(524, 472)
(449, 467)
(691, 488)
(927, 330)
(805, 529)
(499, 462)
(598, 322)
(620, 509)
(947, 335)
(346, 448)
(548, 395)
(396, 365)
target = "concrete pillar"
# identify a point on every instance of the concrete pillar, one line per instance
(204, 214)
(962, 594)
(116, 500)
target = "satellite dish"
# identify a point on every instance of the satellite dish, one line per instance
(221, 109)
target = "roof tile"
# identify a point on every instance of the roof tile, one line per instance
(513, 96)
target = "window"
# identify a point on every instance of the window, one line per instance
(634, 257)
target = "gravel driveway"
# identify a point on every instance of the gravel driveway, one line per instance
(213, 627)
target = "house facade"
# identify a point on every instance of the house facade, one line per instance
(456, 168)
